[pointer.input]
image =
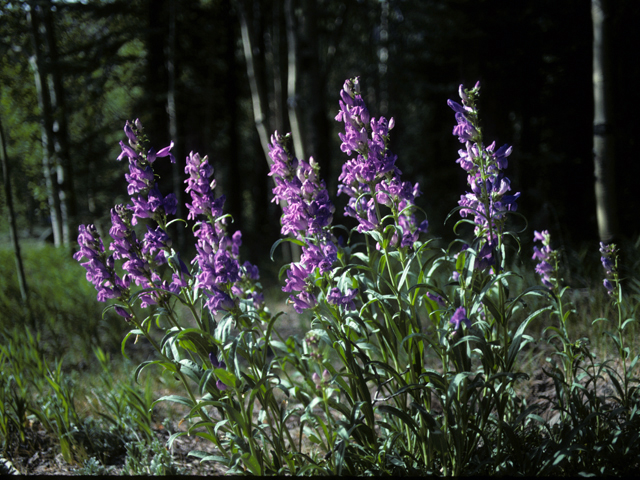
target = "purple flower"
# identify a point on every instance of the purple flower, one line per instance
(99, 266)
(608, 285)
(487, 202)
(155, 243)
(220, 275)
(215, 362)
(140, 176)
(307, 215)
(123, 313)
(609, 260)
(317, 379)
(546, 257)
(164, 152)
(460, 316)
(336, 297)
(371, 179)
(437, 298)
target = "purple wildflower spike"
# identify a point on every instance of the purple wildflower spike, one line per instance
(609, 260)
(487, 202)
(307, 215)
(372, 176)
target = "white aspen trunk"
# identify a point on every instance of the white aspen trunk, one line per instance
(257, 96)
(603, 140)
(292, 81)
(48, 151)
(64, 168)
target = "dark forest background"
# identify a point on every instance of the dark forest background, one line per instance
(218, 76)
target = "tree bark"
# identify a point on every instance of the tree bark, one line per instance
(258, 94)
(177, 169)
(292, 81)
(603, 139)
(13, 231)
(313, 77)
(64, 166)
(235, 197)
(46, 125)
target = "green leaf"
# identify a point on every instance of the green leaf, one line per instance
(196, 341)
(175, 399)
(403, 416)
(191, 370)
(286, 239)
(226, 377)
(144, 365)
(517, 343)
(627, 321)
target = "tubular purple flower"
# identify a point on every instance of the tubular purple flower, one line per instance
(307, 215)
(488, 201)
(128, 130)
(372, 173)
(317, 380)
(609, 286)
(99, 266)
(545, 268)
(221, 386)
(609, 263)
(123, 313)
(460, 316)
(336, 297)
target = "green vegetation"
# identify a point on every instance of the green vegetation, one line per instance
(99, 418)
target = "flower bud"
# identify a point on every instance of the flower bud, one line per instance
(463, 95)
(123, 313)
(221, 386)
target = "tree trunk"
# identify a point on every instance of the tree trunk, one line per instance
(46, 125)
(313, 75)
(177, 169)
(292, 81)
(258, 95)
(64, 167)
(235, 197)
(603, 140)
(13, 231)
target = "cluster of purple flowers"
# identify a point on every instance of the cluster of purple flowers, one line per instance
(141, 258)
(546, 267)
(220, 274)
(147, 200)
(487, 201)
(609, 261)
(307, 216)
(100, 267)
(371, 178)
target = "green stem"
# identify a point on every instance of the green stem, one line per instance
(183, 380)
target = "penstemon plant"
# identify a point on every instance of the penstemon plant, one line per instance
(411, 364)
